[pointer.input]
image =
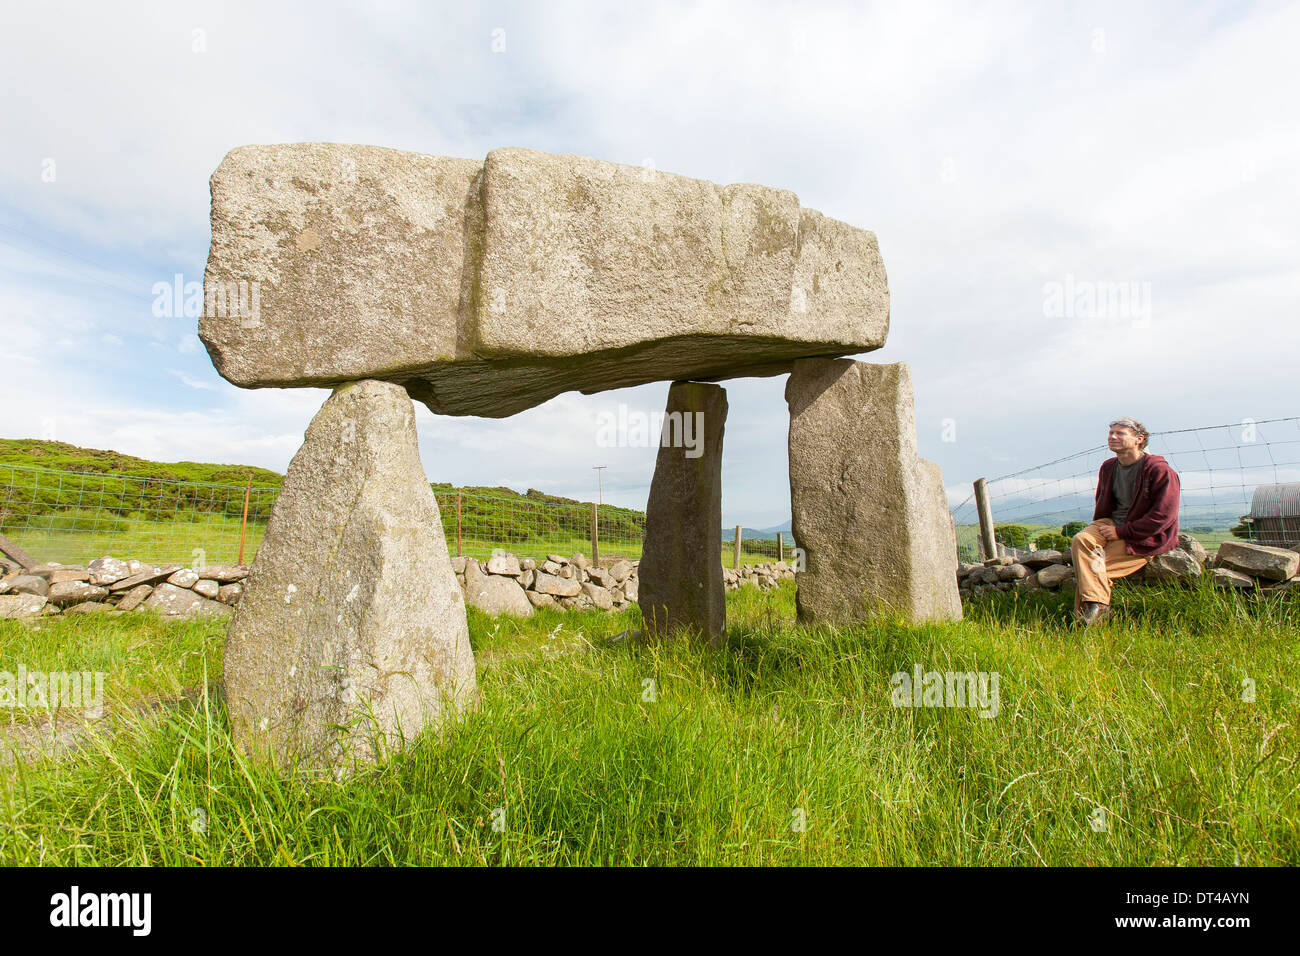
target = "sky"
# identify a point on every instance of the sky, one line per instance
(1020, 165)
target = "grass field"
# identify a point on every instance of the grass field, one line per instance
(781, 747)
(218, 537)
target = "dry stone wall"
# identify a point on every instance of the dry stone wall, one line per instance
(1236, 565)
(116, 586)
(507, 585)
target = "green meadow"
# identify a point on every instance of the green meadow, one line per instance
(1168, 736)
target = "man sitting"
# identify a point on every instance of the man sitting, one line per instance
(1136, 518)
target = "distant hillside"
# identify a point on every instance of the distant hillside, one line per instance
(60, 456)
(34, 453)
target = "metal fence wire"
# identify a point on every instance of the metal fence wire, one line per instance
(73, 517)
(1219, 469)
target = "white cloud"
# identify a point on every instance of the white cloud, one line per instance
(188, 381)
(991, 149)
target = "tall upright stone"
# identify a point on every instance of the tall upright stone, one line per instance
(681, 566)
(871, 517)
(351, 634)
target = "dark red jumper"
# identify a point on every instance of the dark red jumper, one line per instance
(1152, 523)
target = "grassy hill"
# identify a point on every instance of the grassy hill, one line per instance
(133, 507)
(60, 456)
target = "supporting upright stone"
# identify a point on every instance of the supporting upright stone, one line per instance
(681, 567)
(871, 517)
(351, 634)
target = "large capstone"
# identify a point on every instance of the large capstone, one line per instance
(351, 635)
(870, 516)
(681, 569)
(489, 287)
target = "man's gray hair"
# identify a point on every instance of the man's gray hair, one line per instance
(1137, 427)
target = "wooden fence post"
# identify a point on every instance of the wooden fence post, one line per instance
(458, 524)
(595, 537)
(987, 539)
(737, 547)
(780, 547)
(243, 522)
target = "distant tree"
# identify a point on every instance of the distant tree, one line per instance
(1051, 541)
(1070, 529)
(1012, 535)
(1244, 529)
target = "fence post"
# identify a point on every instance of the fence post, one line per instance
(595, 537)
(458, 524)
(737, 547)
(780, 547)
(243, 522)
(989, 543)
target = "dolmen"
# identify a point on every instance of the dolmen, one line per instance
(489, 287)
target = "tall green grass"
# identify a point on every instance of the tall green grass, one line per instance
(586, 751)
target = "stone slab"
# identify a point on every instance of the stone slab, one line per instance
(871, 516)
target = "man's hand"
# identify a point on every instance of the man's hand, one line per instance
(1108, 532)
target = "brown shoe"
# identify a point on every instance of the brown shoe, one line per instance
(1092, 612)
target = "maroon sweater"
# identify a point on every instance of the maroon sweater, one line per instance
(1152, 523)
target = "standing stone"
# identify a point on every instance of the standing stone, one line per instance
(351, 633)
(871, 517)
(681, 568)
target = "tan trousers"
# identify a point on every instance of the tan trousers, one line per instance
(1097, 562)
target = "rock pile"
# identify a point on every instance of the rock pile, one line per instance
(1237, 564)
(762, 576)
(114, 585)
(507, 584)
(504, 584)
(1035, 571)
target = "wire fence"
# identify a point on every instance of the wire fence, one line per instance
(74, 517)
(1219, 467)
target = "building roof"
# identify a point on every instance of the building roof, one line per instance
(1274, 501)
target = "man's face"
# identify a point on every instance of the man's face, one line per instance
(1121, 437)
